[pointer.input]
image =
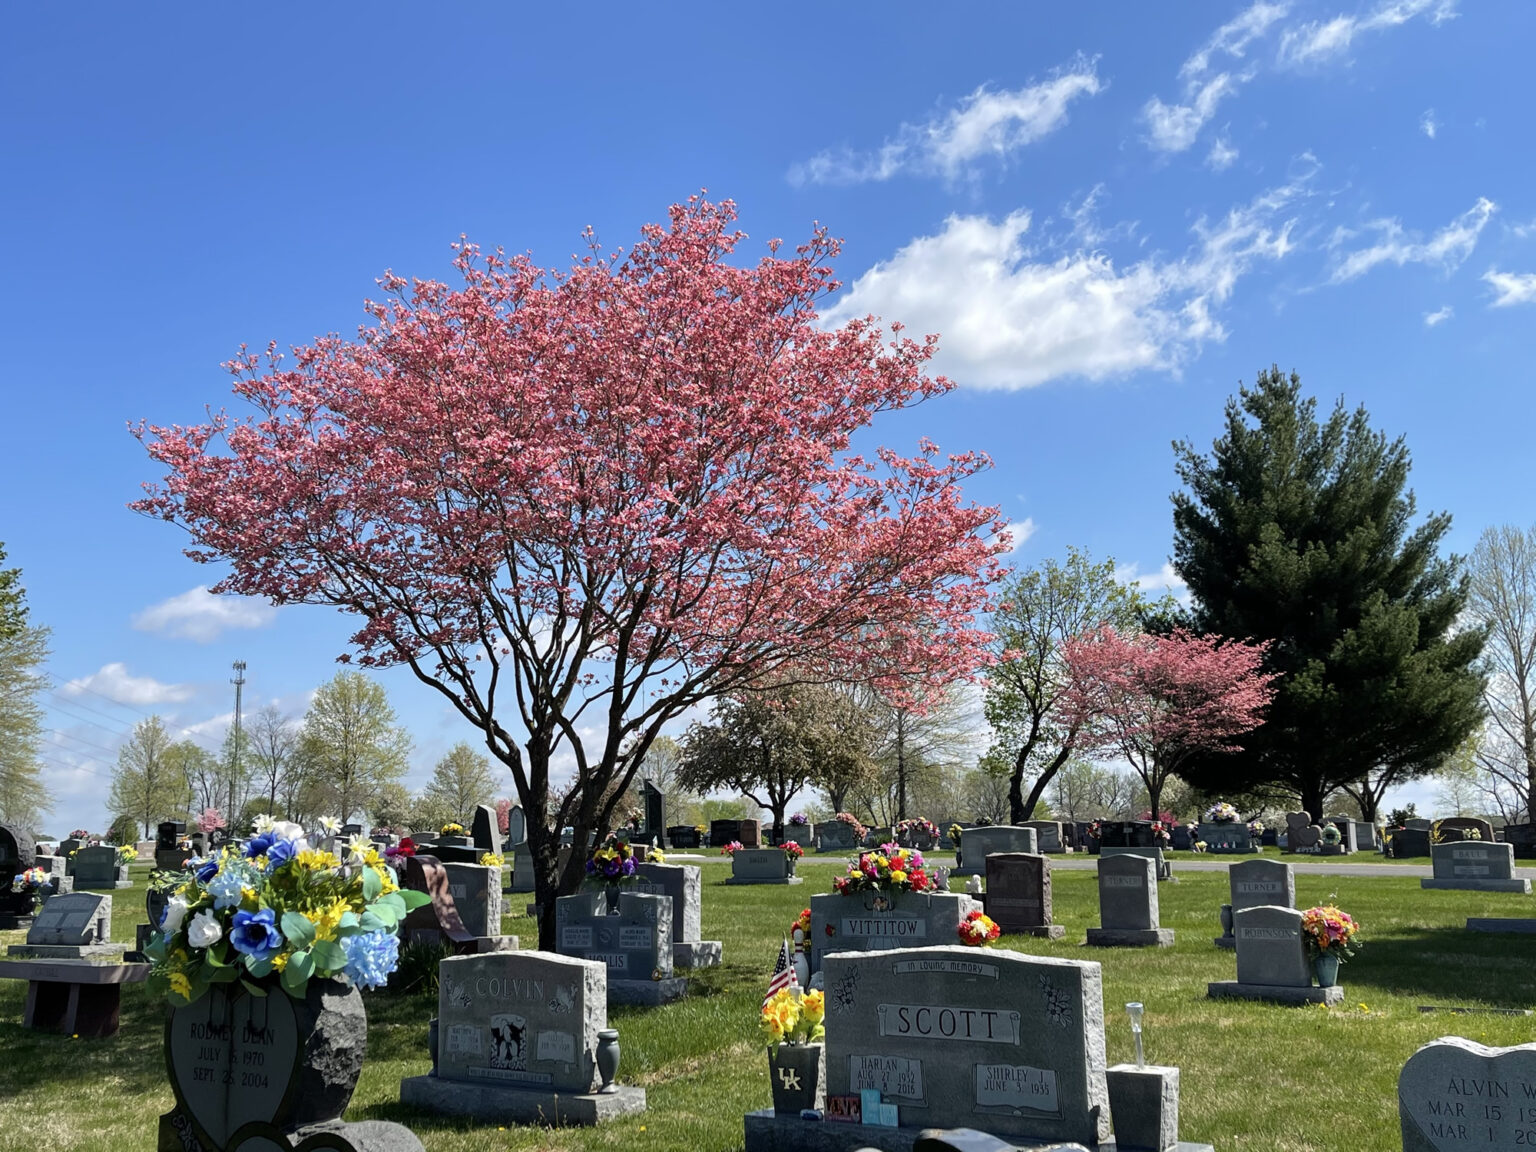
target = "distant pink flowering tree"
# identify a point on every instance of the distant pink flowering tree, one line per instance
(577, 504)
(503, 815)
(1157, 700)
(210, 821)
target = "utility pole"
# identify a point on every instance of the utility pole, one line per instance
(234, 769)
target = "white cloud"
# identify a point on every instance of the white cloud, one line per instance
(1174, 127)
(116, 683)
(1439, 316)
(1222, 155)
(198, 614)
(985, 124)
(1427, 123)
(1021, 530)
(1318, 41)
(1014, 317)
(1512, 287)
(1447, 248)
(1165, 579)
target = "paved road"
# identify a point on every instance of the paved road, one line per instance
(1318, 867)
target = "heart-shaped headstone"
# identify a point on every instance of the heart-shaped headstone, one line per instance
(1454, 1093)
(233, 1061)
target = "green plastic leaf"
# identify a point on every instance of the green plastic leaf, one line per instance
(223, 974)
(386, 915)
(392, 900)
(328, 956)
(258, 968)
(300, 968)
(348, 921)
(372, 923)
(412, 898)
(155, 949)
(297, 930)
(373, 884)
(253, 989)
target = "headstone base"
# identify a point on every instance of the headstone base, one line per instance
(781, 880)
(1501, 924)
(697, 953)
(1521, 886)
(73, 997)
(1040, 931)
(647, 992)
(101, 885)
(10, 922)
(1130, 937)
(363, 1136)
(493, 1102)
(1225, 942)
(1274, 993)
(769, 1132)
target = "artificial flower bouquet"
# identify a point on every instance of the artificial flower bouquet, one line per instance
(1330, 931)
(611, 862)
(1221, 813)
(493, 860)
(451, 829)
(978, 929)
(1160, 832)
(731, 849)
(1255, 829)
(281, 907)
(955, 832)
(887, 869)
(792, 849)
(792, 1016)
(32, 881)
(848, 818)
(397, 854)
(917, 826)
(127, 854)
(1331, 834)
(802, 924)
(799, 820)
(654, 855)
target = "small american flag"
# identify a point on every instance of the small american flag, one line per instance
(783, 974)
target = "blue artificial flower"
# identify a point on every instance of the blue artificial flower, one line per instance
(225, 888)
(280, 853)
(371, 957)
(256, 934)
(206, 869)
(258, 845)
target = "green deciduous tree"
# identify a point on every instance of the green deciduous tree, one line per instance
(1042, 608)
(1300, 533)
(23, 651)
(352, 742)
(461, 780)
(147, 783)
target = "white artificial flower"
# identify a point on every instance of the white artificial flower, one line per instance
(330, 825)
(204, 930)
(264, 824)
(287, 830)
(175, 913)
(357, 844)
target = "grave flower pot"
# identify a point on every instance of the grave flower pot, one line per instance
(236, 1058)
(1327, 970)
(797, 1073)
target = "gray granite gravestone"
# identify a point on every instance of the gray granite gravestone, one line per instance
(683, 885)
(518, 1035)
(877, 921)
(1523, 837)
(1224, 837)
(1180, 838)
(517, 826)
(1454, 828)
(1272, 961)
(1406, 842)
(1253, 883)
(73, 970)
(477, 895)
(979, 843)
(996, 1040)
(18, 852)
(635, 944)
(1019, 893)
(522, 879)
(1454, 1093)
(1128, 910)
(1475, 865)
(97, 867)
(69, 923)
(1049, 835)
(1301, 834)
(483, 830)
(762, 866)
(835, 836)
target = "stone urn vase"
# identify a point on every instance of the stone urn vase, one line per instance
(798, 1075)
(238, 1059)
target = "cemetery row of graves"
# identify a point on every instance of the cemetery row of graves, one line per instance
(1048, 984)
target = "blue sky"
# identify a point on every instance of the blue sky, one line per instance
(1111, 222)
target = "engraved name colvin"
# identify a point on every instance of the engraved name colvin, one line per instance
(504, 989)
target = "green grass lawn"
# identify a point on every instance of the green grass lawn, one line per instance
(1253, 1076)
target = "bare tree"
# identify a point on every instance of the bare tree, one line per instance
(1503, 601)
(273, 739)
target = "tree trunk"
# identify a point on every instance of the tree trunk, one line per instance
(1025, 811)
(1312, 797)
(901, 764)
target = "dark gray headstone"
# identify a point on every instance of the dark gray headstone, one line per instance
(655, 805)
(1301, 834)
(482, 828)
(960, 1038)
(96, 867)
(18, 852)
(979, 843)
(835, 836)
(476, 893)
(1048, 833)
(1270, 947)
(78, 918)
(760, 864)
(684, 836)
(1254, 883)
(746, 832)
(517, 826)
(1454, 828)
(1127, 893)
(1018, 890)
(1224, 837)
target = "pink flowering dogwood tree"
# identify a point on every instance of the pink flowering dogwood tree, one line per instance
(210, 821)
(1157, 700)
(578, 503)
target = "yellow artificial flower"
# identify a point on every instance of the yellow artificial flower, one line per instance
(280, 961)
(181, 985)
(813, 1005)
(317, 860)
(898, 876)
